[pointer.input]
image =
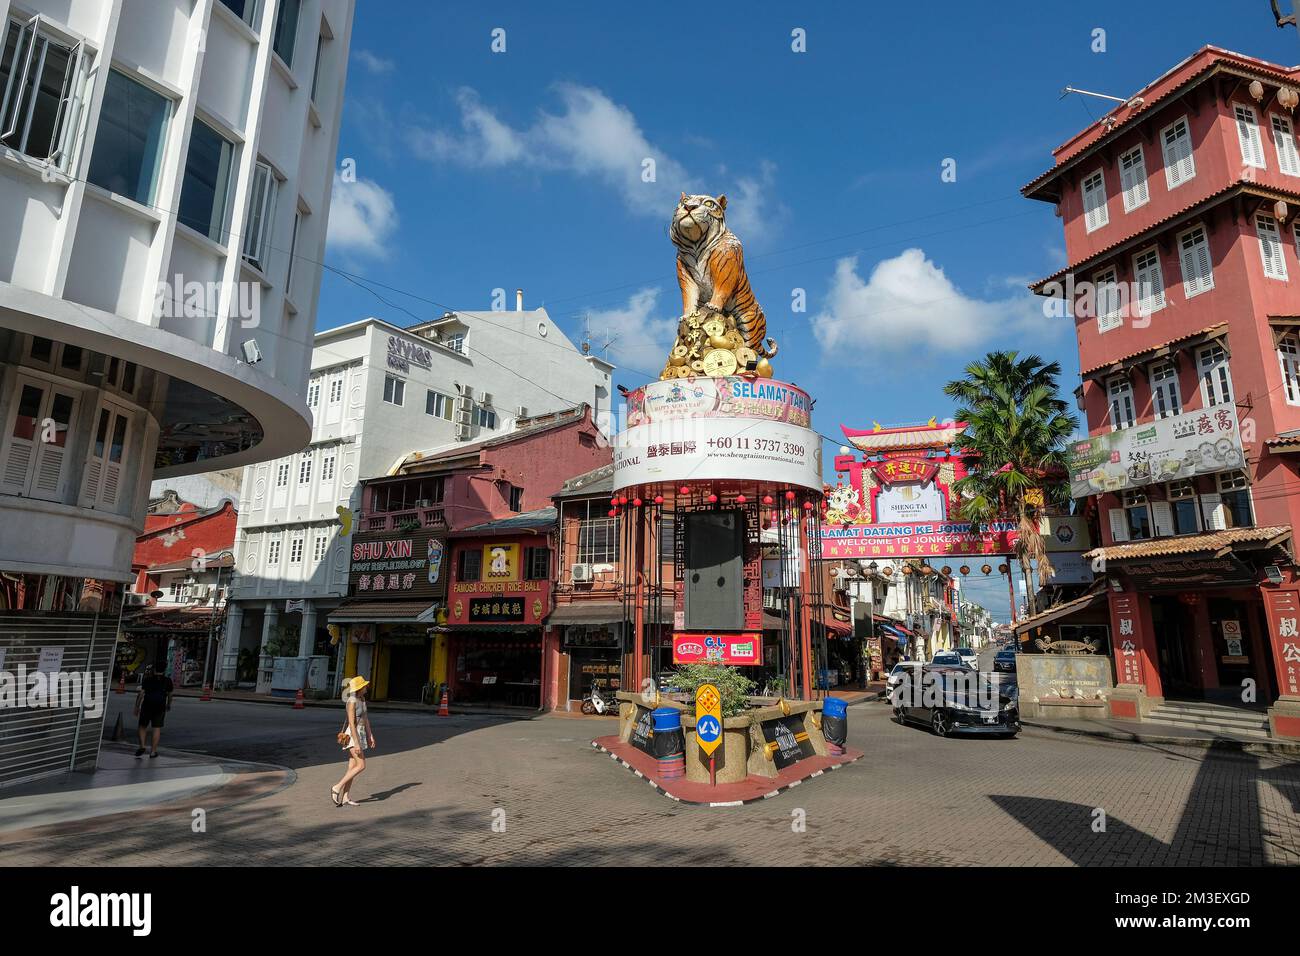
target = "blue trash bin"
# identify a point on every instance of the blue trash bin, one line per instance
(669, 742)
(835, 724)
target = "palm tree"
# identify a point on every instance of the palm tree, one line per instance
(1017, 428)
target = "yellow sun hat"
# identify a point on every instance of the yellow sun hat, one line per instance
(354, 684)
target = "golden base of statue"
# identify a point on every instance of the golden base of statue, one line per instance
(710, 344)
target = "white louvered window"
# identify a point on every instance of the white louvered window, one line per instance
(1216, 379)
(1176, 145)
(327, 468)
(1288, 160)
(1133, 179)
(1252, 144)
(1234, 499)
(1288, 356)
(304, 469)
(1270, 247)
(282, 475)
(295, 549)
(261, 215)
(336, 390)
(273, 551)
(35, 445)
(107, 456)
(1120, 392)
(319, 546)
(1198, 273)
(1165, 397)
(313, 394)
(1110, 312)
(1095, 212)
(1150, 281)
(1138, 515)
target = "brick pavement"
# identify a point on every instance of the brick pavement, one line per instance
(915, 799)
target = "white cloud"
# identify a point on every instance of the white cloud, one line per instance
(375, 64)
(363, 217)
(909, 303)
(640, 339)
(590, 135)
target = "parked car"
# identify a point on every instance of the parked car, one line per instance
(1005, 660)
(901, 669)
(948, 659)
(968, 657)
(954, 701)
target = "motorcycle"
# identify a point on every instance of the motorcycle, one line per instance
(594, 703)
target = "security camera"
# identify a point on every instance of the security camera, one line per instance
(252, 352)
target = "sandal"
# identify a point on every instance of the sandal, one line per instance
(334, 797)
(349, 802)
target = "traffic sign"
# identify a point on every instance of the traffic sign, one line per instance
(708, 718)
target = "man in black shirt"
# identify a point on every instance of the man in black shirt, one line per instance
(152, 704)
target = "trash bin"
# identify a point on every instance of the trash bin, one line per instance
(669, 743)
(835, 724)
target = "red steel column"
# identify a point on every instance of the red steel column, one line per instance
(638, 645)
(805, 609)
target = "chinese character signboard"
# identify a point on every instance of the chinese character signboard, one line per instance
(500, 594)
(1128, 666)
(1181, 446)
(403, 566)
(1284, 624)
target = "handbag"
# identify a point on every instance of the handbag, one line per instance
(342, 737)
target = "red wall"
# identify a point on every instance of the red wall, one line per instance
(175, 537)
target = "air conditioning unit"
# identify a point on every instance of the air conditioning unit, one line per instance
(486, 399)
(521, 412)
(771, 602)
(136, 600)
(581, 572)
(252, 352)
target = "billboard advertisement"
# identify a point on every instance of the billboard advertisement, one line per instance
(1181, 446)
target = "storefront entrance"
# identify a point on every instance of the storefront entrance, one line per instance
(1175, 635)
(498, 669)
(408, 670)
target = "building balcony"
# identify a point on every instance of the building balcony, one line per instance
(433, 518)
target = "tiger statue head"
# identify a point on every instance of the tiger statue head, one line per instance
(698, 220)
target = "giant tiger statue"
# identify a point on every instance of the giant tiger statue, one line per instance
(723, 329)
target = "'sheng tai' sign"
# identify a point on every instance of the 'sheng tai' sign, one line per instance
(899, 501)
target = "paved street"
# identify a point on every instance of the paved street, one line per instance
(433, 784)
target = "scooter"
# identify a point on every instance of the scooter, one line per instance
(594, 703)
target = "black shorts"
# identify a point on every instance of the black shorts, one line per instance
(153, 716)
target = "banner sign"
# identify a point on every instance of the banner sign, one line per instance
(704, 429)
(894, 470)
(1202, 442)
(919, 540)
(1173, 572)
(690, 648)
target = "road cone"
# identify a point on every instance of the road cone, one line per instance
(121, 683)
(207, 692)
(442, 705)
(297, 701)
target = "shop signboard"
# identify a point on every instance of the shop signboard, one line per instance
(1069, 567)
(1202, 442)
(704, 397)
(501, 595)
(1183, 573)
(697, 648)
(643, 731)
(496, 609)
(404, 566)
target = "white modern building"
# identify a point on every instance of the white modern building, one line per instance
(376, 393)
(165, 177)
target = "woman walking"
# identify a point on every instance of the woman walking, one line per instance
(357, 737)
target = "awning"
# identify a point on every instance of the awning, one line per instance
(1085, 603)
(834, 624)
(385, 612)
(603, 612)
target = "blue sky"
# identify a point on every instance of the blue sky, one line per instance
(480, 170)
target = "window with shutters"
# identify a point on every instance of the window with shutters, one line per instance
(1133, 179)
(1120, 391)
(1150, 281)
(295, 549)
(282, 475)
(273, 552)
(1270, 247)
(394, 390)
(261, 215)
(469, 564)
(516, 498)
(1288, 356)
(1288, 160)
(1095, 213)
(319, 546)
(1176, 145)
(327, 468)
(1216, 379)
(304, 468)
(1252, 144)
(1234, 494)
(537, 564)
(1138, 515)
(1165, 397)
(35, 445)
(1110, 311)
(107, 457)
(1198, 272)
(313, 394)
(1183, 509)
(43, 91)
(336, 389)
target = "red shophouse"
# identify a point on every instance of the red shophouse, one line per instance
(467, 540)
(1180, 215)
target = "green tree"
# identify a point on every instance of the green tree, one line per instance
(1017, 429)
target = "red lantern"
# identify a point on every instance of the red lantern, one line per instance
(637, 502)
(986, 569)
(622, 499)
(947, 569)
(807, 506)
(713, 499)
(659, 499)
(964, 569)
(741, 499)
(684, 489)
(612, 512)
(614, 500)
(767, 499)
(789, 496)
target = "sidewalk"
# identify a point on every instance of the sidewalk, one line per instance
(1132, 731)
(126, 784)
